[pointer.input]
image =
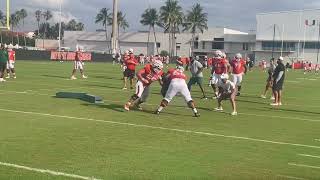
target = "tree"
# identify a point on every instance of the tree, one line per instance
(14, 22)
(150, 18)
(23, 14)
(38, 19)
(171, 17)
(2, 18)
(80, 26)
(103, 17)
(47, 15)
(196, 20)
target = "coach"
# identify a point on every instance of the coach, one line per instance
(3, 61)
(278, 80)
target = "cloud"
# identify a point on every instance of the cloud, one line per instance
(66, 17)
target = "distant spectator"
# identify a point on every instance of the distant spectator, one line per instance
(3, 61)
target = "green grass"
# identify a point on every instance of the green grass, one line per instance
(75, 137)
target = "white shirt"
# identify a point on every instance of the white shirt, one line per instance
(228, 86)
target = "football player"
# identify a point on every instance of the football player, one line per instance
(219, 67)
(78, 64)
(129, 73)
(239, 68)
(146, 76)
(228, 91)
(177, 85)
(10, 63)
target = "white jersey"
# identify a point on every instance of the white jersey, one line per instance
(228, 86)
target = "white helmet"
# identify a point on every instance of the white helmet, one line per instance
(126, 52)
(280, 58)
(238, 56)
(197, 58)
(225, 76)
(181, 68)
(224, 55)
(218, 53)
(131, 50)
(157, 65)
(205, 57)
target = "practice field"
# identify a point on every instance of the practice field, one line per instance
(43, 137)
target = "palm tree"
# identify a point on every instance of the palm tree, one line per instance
(72, 25)
(38, 18)
(14, 22)
(47, 15)
(23, 14)
(196, 20)
(171, 17)
(103, 17)
(2, 17)
(150, 18)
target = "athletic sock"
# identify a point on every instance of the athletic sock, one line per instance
(195, 110)
(160, 108)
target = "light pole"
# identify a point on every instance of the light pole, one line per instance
(114, 42)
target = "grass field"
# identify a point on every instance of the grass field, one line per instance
(84, 140)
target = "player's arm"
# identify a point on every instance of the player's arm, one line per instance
(139, 75)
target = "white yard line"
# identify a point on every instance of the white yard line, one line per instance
(307, 155)
(290, 177)
(167, 129)
(304, 165)
(46, 171)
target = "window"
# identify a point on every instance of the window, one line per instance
(218, 43)
(203, 45)
(178, 46)
(158, 45)
(245, 46)
(311, 45)
(287, 46)
(196, 45)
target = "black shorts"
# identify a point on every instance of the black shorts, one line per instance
(277, 86)
(129, 73)
(3, 66)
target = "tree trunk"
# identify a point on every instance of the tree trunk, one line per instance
(155, 39)
(169, 51)
(118, 37)
(148, 40)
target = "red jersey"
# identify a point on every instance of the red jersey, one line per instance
(149, 74)
(184, 61)
(176, 74)
(238, 67)
(220, 65)
(12, 55)
(131, 63)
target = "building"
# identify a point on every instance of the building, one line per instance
(292, 34)
(228, 40)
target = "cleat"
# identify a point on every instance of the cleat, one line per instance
(157, 112)
(73, 78)
(127, 107)
(124, 88)
(214, 97)
(234, 113)
(14, 77)
(263, 97)
(2, 80)
(274, 104)
(196, 114)
(280, 104)
(8, 77)
(218, 109)
(272, 98)
(84, 77)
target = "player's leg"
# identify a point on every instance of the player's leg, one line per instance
(2, 71)
(8, 70)
(172, 91)
(233, 102)
(139, 90)
(81, 68)
(125, 79)
(200, 83)
(238, 83)
(220, 98)
(187, 97)
(143, 98)
(12, 69)
(132, 74)
(75, 67)
(191, 82)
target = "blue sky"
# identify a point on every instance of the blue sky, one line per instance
(236, 14)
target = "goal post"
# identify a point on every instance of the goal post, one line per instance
(6, 24)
